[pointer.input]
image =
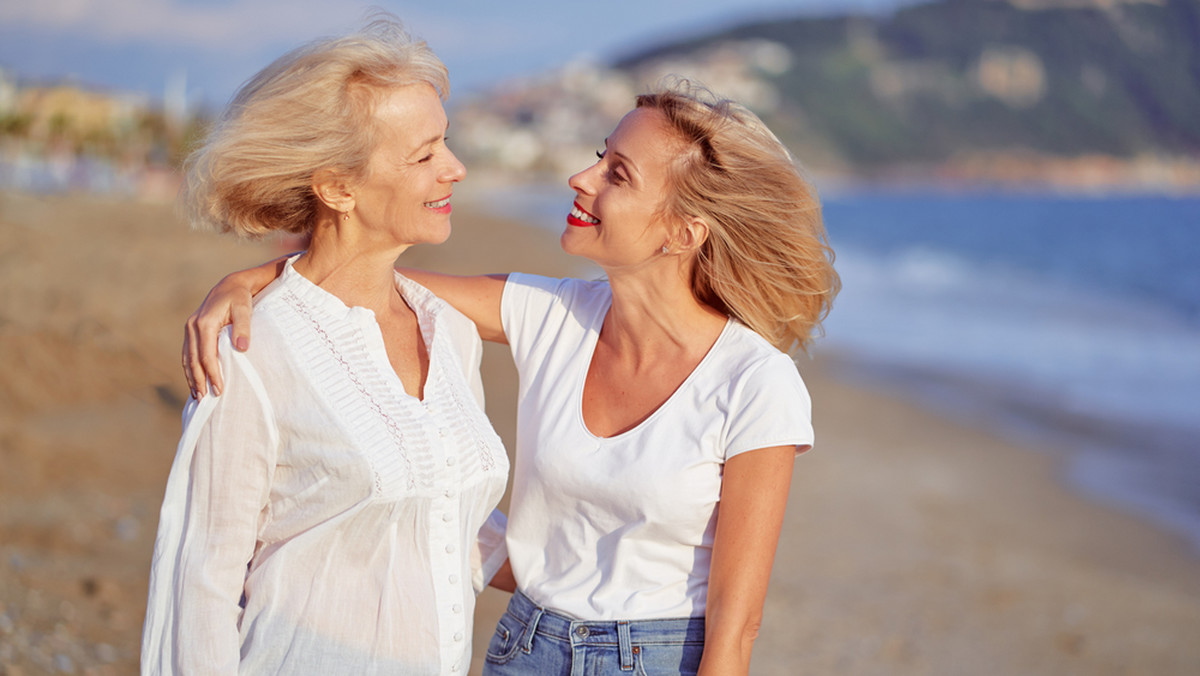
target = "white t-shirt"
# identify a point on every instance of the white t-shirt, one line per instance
(318, 519)
(622, 527)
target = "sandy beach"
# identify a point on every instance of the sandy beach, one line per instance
(914, 544)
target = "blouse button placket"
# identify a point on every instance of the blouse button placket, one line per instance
(445, 506)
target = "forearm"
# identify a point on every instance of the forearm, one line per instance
(476, 296)
(754, 492)
(729, 634)
(504, 579)
(256, 278)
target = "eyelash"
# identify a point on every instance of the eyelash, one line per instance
(445, 139)
(612, 175)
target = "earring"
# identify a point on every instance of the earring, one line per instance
(665, 250)
(346, 216)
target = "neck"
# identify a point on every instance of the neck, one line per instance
(652, 314)
(347, 264)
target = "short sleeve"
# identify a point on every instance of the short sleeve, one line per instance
(539, 313)
(770, 407)
(524, 305)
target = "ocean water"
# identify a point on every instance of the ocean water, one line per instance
(1063, 319)
(1070, 322)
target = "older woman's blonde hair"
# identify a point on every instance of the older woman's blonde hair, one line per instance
(766, 261)
(312, 109)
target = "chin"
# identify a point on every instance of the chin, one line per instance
(439, 235)
(564, 243)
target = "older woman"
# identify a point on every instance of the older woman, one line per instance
(659, 412)
(324, 511)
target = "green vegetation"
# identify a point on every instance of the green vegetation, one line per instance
(935, 80)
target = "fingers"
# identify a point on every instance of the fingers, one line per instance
(239, 311)
(206, 337)
(192, 371)
(201, 366)
(188, 359)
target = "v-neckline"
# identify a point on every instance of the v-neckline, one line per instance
(366, 317)
(594, 341)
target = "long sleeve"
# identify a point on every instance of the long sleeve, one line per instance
(490, 551)
(318, 518)
(215, 504)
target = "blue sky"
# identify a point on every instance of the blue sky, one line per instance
(211, 46)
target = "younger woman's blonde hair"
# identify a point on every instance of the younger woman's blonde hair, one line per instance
(767, 261)
(311, 109)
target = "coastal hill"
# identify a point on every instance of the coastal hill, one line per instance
(1070, 91)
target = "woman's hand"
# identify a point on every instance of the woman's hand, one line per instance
(230, 301)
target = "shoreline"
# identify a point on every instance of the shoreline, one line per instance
(1093, 454)
(98, 178)
(964, 548)
(914, 543)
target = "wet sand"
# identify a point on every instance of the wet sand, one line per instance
(913, 544)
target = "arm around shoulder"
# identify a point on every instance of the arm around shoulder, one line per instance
(477, 297)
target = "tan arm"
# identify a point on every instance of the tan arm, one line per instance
(230, 301)
(477, 297)
(754, 493)
(503, 579)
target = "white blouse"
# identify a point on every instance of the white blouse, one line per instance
(318, 519)
(622, 527)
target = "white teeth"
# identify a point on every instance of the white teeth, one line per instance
(578, 213)
(438, 204)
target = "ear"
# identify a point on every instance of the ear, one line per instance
(333, 190)
(691, 235)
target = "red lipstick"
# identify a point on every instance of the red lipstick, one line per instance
(580, 217)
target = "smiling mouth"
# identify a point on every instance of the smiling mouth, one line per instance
(438, 204)
(581, 218)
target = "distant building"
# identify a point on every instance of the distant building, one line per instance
(8, 93)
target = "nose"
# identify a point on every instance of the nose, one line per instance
(454, 171)
(582, 182)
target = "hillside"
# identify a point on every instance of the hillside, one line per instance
(937, 79)
(1077, 93)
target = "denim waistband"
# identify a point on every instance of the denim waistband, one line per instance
(673, 631)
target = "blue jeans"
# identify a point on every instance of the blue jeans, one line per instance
(533, 641)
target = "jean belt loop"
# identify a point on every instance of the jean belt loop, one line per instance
(625, 645)
(530, 629)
